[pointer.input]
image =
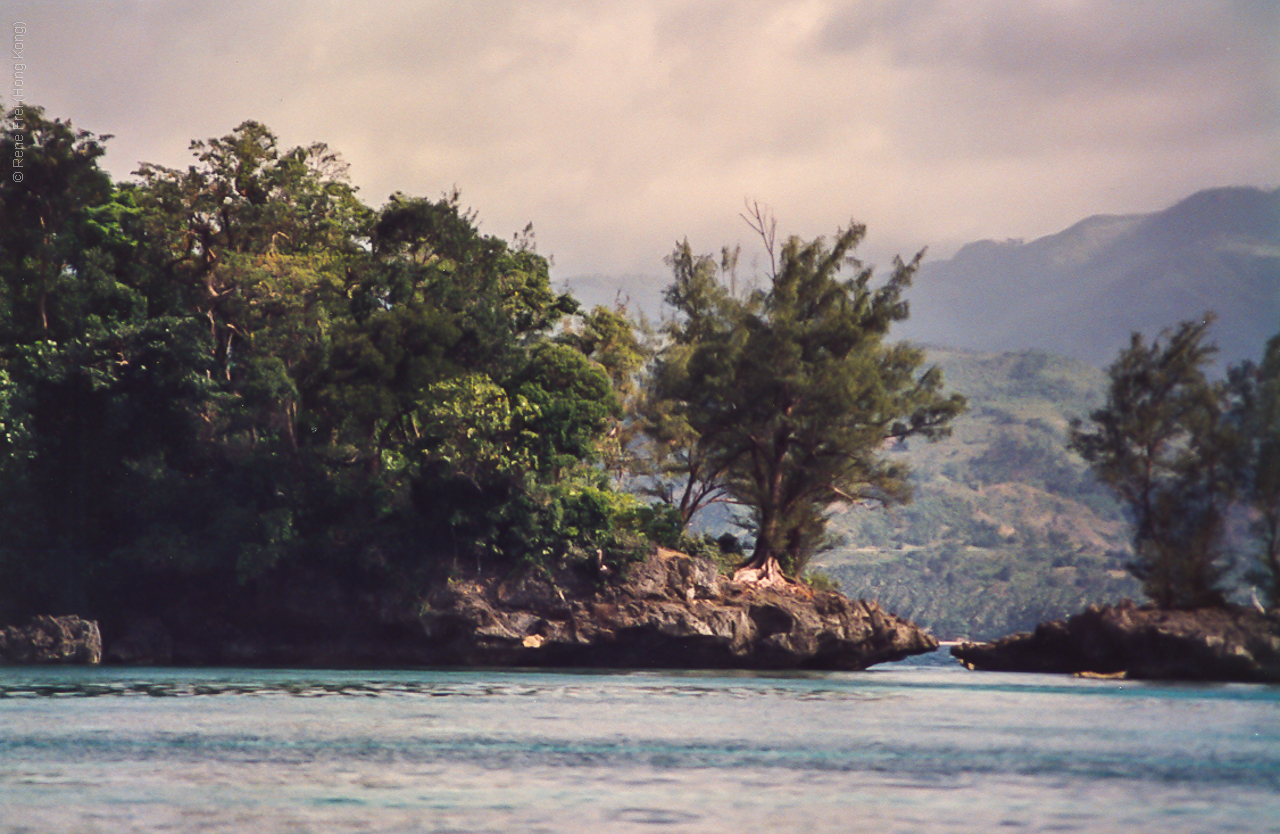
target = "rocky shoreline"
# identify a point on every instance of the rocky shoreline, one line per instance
(51, 640)
(673, 611)
(1219, 644)
(669, 611)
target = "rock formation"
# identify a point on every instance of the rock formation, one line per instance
(668, 611)
(51, 640)
(1234, 644)
(672, 611)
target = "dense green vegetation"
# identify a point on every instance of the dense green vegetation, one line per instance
(782, 399)
(219, 382)
(238, 370)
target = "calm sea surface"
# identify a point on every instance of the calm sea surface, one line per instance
(920, 746)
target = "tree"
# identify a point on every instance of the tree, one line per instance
(96, 391)
(218, 379)
(445, 385)
(1255, 412)
(617, 343)
(784, 398)
(48, 216)
(253, 239)
(1161, 444)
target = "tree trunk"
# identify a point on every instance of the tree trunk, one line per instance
(761, 569)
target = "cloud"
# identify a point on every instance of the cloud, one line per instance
(618, 128)
(1026, 78)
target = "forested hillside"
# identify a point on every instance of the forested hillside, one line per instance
(1007, 528)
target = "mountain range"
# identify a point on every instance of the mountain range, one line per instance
(1007, 527)
(1081, 292)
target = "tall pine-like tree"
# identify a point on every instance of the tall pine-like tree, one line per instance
(785, 399)
(1255, 412)
(1161, 443)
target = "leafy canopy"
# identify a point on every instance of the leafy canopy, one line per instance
(784, 399)
(1161, 443)
(220, 377)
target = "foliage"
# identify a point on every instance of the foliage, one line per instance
(1161, 443)
(784, 398)
(1255, 414)
(217, 377)
(620, 346)
(50, 222)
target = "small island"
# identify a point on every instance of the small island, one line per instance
(1182, 452)
(247, 419)
(1212, 644)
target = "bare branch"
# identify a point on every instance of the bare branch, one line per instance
(763, 223)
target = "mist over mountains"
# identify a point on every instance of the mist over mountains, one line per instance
(1080, 293)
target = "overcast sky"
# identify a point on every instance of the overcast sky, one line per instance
(617, 127)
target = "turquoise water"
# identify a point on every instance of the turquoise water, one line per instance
(920, 746)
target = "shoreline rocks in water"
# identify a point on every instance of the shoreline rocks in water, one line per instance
(1219, 644)
(51, 640)
(673, 611)
(669, 611)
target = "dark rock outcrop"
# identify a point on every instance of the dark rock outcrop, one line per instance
(1233, 644)
(669, 611)
(672, 611)
(51, 640)
(146, 642)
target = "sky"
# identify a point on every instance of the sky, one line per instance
(618, 128)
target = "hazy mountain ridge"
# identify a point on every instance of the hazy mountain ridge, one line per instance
(1082, 291)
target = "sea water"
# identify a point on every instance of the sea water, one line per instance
(921, 746)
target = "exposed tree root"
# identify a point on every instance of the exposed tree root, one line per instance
(767, 575)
